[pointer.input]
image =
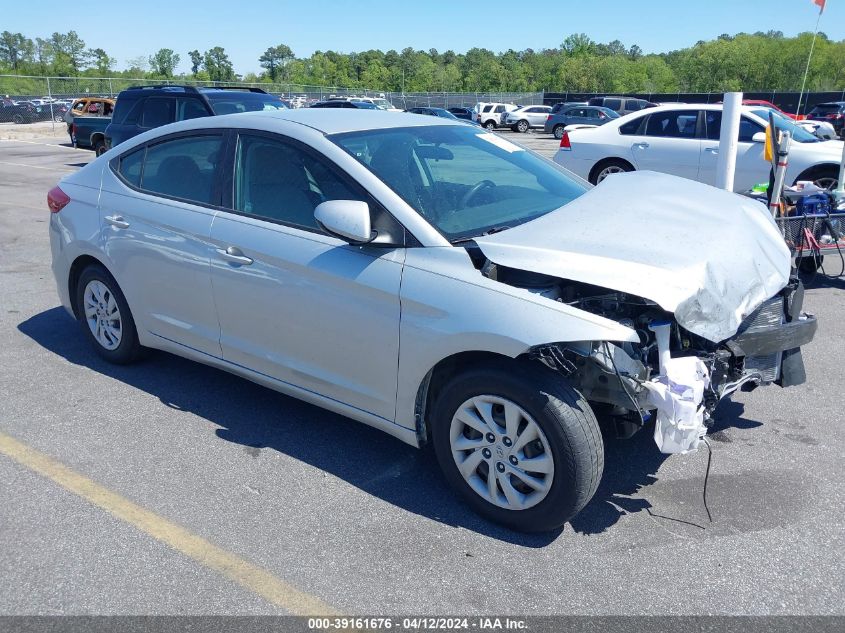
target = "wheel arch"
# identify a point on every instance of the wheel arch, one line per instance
(79, 264)
(804, 175)
(440, 374)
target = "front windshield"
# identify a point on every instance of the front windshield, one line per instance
(382, 104)
(786, 124)
(613, 114)
(465, 182)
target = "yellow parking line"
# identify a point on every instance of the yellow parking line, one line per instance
(250, 576)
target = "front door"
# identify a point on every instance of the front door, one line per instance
(670, 144)
(294, 303)
(751, 166)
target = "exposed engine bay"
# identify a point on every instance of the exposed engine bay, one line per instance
(672, 373)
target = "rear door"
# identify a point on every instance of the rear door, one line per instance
(156, 208)
(668, 144)
(294, 303)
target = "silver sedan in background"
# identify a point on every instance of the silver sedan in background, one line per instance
(432, 280)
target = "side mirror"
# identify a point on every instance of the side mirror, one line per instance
(346, 219)
(759, 137)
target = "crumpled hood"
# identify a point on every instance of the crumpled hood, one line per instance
(709, 256)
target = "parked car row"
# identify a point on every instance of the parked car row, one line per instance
(30, 112)
(683, 140)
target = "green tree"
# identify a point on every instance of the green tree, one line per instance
(196, 61)
(275, 59)
(217, 64)
(15, 49)
(69, 53)
(164, 62)
(100, 61)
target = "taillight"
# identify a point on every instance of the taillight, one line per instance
(564, 141)
(57, 199)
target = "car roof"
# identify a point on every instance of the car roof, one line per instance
(324, 120)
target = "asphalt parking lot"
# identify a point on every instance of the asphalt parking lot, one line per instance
(171, 488)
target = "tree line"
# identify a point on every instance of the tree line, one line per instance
(749, 62)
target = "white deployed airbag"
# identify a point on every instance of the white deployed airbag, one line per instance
(678, 394)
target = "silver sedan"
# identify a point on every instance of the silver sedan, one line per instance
(429, 279)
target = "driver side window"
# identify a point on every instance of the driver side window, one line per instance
(282, 182)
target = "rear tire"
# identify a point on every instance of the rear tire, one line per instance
(17, 118)
(558, 131)
(105, 316)
(608, 167)
(490, 125)
(99, 147)
(567, 456)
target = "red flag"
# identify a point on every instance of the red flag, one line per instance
(820, 3)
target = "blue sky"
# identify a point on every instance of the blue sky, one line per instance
(246, 28)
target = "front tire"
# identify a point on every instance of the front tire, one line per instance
(105, 316)
(519, 444)
(522, 126)
(823, 177)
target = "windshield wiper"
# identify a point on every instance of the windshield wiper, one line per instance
(470, 238)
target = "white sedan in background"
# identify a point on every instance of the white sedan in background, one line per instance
(683, 140)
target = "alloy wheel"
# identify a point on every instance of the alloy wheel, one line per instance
(102, 314)
(501, 452)
(607, 171)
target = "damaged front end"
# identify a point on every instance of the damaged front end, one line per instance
(672, 374)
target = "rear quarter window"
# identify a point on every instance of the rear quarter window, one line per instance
(632, 127)
(613, 104)
(129, 167)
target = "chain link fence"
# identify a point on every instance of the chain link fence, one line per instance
(461, 99)
(22, 87)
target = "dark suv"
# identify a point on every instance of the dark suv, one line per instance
(142, 108)
(622, 105)
(832, 112)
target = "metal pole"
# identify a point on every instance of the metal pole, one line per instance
(50, 96)
(728, 140)
(809, 57)
(782, 157)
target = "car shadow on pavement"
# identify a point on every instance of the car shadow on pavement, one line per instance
(631, 465)
(257, 418)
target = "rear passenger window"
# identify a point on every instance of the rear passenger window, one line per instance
(613, 104)
(672, 124)
(130, 167)
(183, 168)
(280, 182)
(157, 112)
(632, 105)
